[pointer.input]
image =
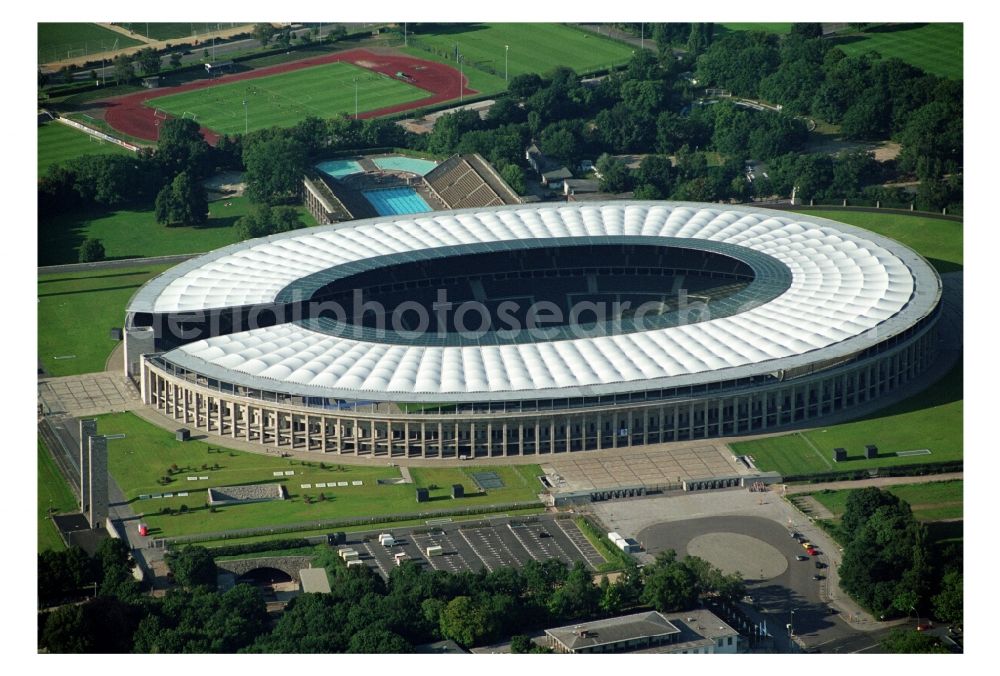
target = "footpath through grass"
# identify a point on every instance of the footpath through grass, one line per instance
(937, 240)
(288, 98)
(58, 143)
(52, 493)
(934, 47)
(929, 420)
(140, 460)
(930, 501)
(75, 311)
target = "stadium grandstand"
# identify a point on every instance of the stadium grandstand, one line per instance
(723, 320)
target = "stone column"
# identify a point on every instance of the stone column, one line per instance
(98, 512)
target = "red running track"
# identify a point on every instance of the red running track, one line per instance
(128, 115)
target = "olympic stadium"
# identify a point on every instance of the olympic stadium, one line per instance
(533, 329)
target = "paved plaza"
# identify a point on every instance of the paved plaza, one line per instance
(88, 394)
(646, 465)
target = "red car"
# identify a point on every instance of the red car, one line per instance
(812, 552)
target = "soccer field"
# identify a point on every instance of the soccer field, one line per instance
(58, 143)
(934, 47)
(65, 40)
(286, 99)
(533, 48)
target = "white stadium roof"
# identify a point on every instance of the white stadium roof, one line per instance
(849, 290)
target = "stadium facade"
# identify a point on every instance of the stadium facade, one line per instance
(724, 320)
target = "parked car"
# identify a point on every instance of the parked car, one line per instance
(820, 564)
(925, 625)
(812, 552)
(806, 544)
(817, 577)
(801, 557)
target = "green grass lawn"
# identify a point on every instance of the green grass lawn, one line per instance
(778, 28)
(146, 452)
(938, 240)
(136, 234)
(934, 47)
(52, 492)
(931, 419)
(534, 48)
(172, 31)
(75, 311)
(58, 143)
(58, 41)
(929, 501)
(286, 99)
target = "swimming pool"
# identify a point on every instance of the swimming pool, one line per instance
(339, 168)
(410, 164)
(396, 201)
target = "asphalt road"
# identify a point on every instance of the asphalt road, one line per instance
(216, 51)
(792, 597)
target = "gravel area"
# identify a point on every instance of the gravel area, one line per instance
(251, 493)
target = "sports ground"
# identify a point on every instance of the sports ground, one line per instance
(62, 40)
(934, 47)
(58, 143)
(523, 48)
(135, 114)
(281, 100)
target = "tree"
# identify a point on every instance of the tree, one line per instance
(910, 642)
(524, 85)
(263, 32)
(577, 597)
(123, 69)
(614, 174)
(808, 30)
(175, 60)
(264, 220)
(514, 176)
(376, 640)
(65, 574)
(181, 148)
(462, 620)
(669, 584)
(149, 61)
(274, 168)
(559, 143)
(521, 644)
(860, 505)
(192, 566)
(182, 202)
(932, 141)
(948, 603)
(91, 250)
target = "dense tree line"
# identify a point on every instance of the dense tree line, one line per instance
(363, 614)
(889, 564)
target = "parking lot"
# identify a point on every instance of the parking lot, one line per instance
(478, 545)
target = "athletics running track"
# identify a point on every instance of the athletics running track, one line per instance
(129, 115)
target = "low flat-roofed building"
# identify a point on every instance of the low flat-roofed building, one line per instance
(696, 631)
(314, 581)
(446, 647)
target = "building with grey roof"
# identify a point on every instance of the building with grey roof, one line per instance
(696, 631)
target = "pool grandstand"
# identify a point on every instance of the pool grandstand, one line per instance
(366, 187)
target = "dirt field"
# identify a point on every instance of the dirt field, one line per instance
(129, 115)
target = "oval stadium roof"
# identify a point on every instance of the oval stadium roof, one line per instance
(849, 289)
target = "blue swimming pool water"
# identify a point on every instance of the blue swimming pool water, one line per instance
(410, 164)
(396, 201)
(339, 168)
